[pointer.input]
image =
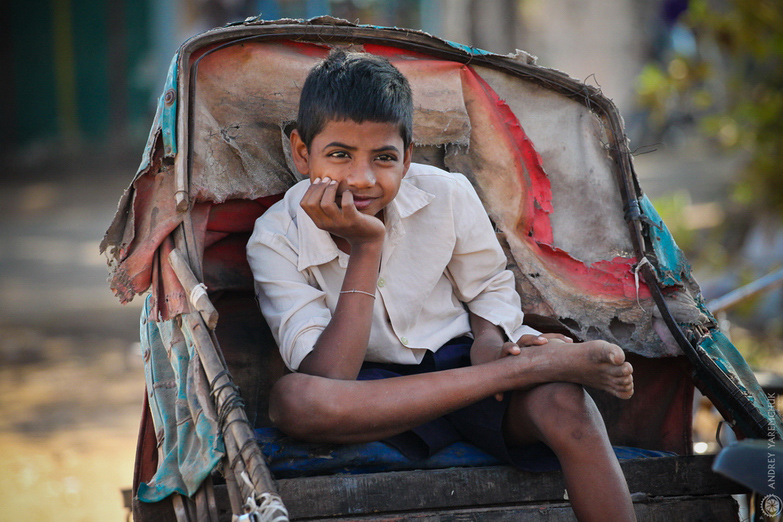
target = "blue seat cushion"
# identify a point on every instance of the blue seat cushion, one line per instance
(289, 458)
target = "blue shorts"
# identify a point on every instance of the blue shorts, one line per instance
(480, 423)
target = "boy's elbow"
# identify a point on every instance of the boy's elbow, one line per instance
(301, 407)
(320, 367)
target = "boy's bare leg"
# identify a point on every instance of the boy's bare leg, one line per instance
(549, 404)
(564, 416)
(344, 411)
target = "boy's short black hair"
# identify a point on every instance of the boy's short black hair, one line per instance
(354, 86)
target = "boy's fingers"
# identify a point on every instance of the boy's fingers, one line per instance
(530, 340)
(349, 209)
(510, 348)
(328, 199)
(561, 337)
(319, 203)
(313, 194)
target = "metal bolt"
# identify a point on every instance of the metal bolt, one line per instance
(170, 97)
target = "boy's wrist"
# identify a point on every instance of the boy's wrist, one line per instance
(365, 245)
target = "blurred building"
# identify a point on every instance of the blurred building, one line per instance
(74, 71)
(86, 73)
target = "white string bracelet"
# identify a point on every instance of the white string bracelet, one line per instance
(354, 291)
(197, 292)
(636, 270)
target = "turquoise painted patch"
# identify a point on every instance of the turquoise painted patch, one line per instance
(165, 121)
(728, 359)
(672, 265)
(190, 445)
(468, 49)
(168, 106)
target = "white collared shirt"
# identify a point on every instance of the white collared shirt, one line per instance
(440, 252)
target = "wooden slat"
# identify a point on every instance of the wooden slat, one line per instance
(710, 508)
(474, 487)
(680, 509)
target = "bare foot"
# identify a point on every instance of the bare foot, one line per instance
(597, 364)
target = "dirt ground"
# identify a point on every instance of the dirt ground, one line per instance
(67, 431)
(71, 382)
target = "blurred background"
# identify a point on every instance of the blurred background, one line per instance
(700, 84)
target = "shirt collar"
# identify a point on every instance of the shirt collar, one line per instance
(316, 246)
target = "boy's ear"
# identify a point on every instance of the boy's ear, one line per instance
(300, 154)
(406, 161)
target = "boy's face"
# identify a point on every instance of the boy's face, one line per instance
(368, 159)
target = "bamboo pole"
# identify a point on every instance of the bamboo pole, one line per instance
(255, 482)
(234, 492)
(197, 292)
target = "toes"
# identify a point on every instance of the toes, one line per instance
(624, 393)
(611, 353)
(618, 355)
(622, 370)
(624, 382)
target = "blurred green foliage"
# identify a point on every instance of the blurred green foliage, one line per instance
(703, 242)
(732, 85)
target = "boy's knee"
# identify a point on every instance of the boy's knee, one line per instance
(564, 408)
(556, 395)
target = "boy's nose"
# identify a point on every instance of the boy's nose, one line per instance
(362, 177)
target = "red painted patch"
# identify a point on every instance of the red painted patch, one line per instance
(308, 48)
(613, 277)
(394, 52)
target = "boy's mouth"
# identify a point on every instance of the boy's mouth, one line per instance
(362, 202)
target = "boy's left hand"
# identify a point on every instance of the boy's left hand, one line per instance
(538, 340)
(510, 348)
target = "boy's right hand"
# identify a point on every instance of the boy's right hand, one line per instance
(340, 216)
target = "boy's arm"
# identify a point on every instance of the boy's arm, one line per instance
(295, 306)
(489, 341)
(340, 349)
(478, 271)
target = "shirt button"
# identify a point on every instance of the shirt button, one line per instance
(381, 283)
(404, 341)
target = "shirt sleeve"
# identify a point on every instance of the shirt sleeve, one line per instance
(478, 266)
(294, 308)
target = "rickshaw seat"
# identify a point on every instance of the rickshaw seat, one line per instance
(253, 359)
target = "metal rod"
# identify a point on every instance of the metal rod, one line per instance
(744, 292)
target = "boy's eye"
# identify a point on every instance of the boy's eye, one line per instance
(338, 154)
(387, 157)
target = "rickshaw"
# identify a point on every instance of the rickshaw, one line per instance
(550, 161)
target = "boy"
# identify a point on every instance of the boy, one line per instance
(387, 293)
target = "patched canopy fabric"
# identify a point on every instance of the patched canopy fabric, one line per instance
(539, 160)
